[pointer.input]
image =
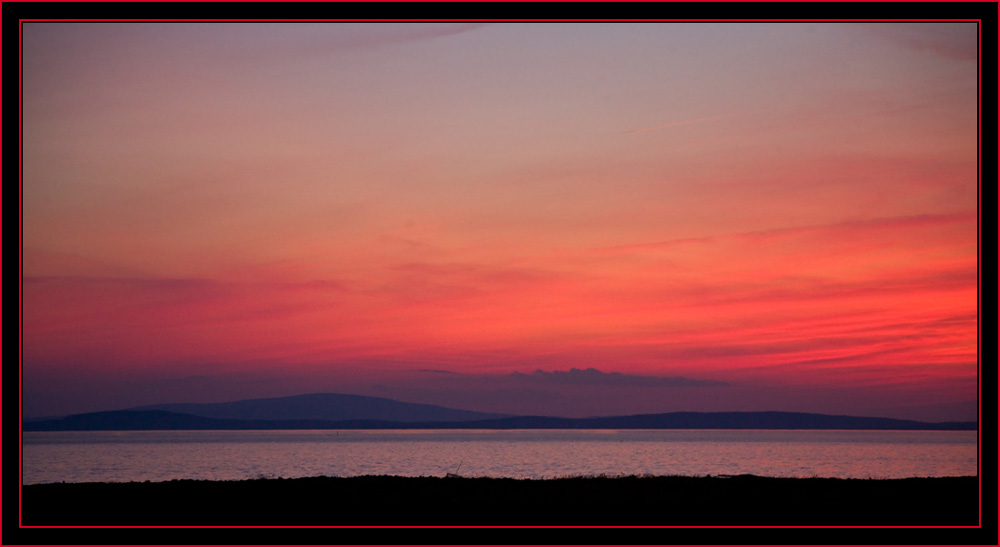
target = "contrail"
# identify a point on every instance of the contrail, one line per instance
(675, 124)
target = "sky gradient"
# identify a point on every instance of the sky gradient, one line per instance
(563, 219)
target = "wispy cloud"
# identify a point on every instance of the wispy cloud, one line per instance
(952, 40)
(322, 38)
(594, 377)
(867, 227)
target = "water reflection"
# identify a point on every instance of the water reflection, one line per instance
(233, 455)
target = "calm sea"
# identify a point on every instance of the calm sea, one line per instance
(83, 456)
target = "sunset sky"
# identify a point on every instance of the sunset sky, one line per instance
(561, 219)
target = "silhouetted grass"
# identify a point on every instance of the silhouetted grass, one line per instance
(743, 500)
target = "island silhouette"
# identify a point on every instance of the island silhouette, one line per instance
(341, 411)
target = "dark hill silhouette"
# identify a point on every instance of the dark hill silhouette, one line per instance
(131, 420)
(325, 406)
(721, 420)
(163, 420)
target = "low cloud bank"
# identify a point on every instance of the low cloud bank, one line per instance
(592, 376)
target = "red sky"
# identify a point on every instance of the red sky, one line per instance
(728, 216)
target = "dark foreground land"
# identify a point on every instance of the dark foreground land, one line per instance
(584, 501)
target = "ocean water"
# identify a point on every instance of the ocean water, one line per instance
(84, 456)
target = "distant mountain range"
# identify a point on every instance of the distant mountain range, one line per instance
(338, 411)
(325, 406)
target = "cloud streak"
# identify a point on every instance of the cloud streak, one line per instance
(840, 230)
(595, 377)
(951, 40)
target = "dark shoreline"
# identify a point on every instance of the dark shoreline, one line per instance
(744, 500)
